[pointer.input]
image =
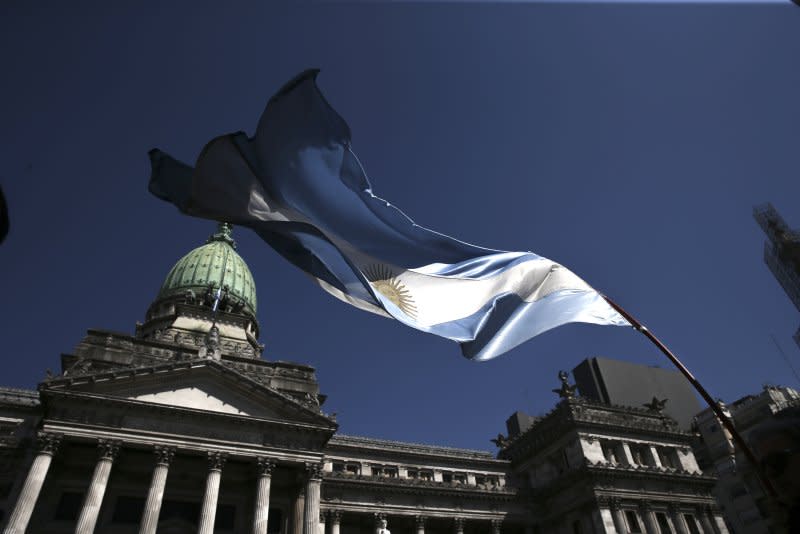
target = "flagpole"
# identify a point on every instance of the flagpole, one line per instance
(724, 419)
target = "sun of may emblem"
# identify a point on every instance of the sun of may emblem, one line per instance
(384, 282)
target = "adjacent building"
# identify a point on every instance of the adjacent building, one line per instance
(184, 427)
(744, 503)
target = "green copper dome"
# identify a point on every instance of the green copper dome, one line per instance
(203, 267)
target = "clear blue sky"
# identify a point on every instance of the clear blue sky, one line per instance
(627, 141)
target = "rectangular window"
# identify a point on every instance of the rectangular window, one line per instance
(666, 457)
(352, 469)
(412, 473)
(426, 475)
(447, 477)
(633, 522)
(663, 523)
(638, 454)
(338, 467)
(460, 478)
(390, 472)
(610, 453)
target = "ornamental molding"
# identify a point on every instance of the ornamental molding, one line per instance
(265, 466)
(216, 460)
(366, 446)
(107, 449)
(333, 481)
(164, 454)
(66, 383)
(81, 409)
(19, 398)
(48, 442)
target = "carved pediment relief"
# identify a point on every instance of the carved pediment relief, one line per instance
(206, 387)
(201, 396)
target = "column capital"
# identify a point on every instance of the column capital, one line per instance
(265, 466)
(379, 518)
(495, 523)
(314, 470)
(163, 454)
(419, 520)
(216, 460)
(646, 506)
(107, 449)
(336, 516)
(48, 442)
(458, 522)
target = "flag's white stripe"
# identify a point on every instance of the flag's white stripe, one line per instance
(353, 301)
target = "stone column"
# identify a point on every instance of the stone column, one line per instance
(321, 526)
(616, 514)
(97, 488)
(708, 527)
(208, 513)
(459, 526)
(47, 446)
(420, 521)
(265, 467)
(655, 459)
(496, 525)
(719, 523)
(677, 519)
(336, 519)
(311, 522)
(299, 509)
(649, 518)
(156, 493)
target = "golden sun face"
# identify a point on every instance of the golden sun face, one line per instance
(383, 281)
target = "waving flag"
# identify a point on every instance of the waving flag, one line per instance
(298, 184)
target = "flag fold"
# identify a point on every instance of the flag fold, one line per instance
(298, 184)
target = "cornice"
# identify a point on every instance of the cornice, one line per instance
(416, 486)
(183, 413)
(599, 476)
(64, 382)
(23, 398)
(581, 414)
(365, 444)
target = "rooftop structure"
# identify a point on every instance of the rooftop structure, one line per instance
(781, 252)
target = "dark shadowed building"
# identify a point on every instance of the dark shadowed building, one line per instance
(630, 384)
(183, 427)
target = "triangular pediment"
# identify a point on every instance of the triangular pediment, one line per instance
(201, 385)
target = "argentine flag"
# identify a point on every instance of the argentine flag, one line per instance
(298, 184)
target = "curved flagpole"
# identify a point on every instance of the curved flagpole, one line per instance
(724, 419)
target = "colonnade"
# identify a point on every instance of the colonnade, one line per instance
(306, 518)
(330, 523)
(702, 513)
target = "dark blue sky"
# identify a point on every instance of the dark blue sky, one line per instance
(627, 141)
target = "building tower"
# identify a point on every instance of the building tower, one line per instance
(781, 253)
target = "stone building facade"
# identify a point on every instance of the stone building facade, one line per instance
(745, 505)
(184, 427)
